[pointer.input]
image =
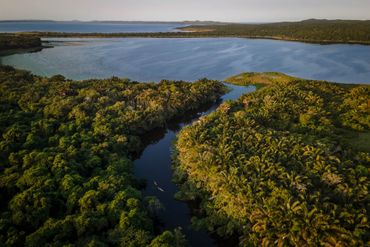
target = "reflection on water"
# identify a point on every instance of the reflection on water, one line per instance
(147, 59)
(154, 165)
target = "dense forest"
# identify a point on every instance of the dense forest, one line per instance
(281, 166)
(313, 31)
(14, 41)
(65, 146)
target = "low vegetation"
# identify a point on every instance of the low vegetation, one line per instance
(259, 79)
(281, 166)
(65, 147)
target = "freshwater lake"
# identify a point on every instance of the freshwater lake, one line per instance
(153, 59)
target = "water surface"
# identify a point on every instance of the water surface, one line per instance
(87, 27)
(153, 59)
(154, 165)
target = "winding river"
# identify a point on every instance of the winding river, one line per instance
(154, 165)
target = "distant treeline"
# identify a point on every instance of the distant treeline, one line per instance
(326, 31)
(311, 31)
(10, 41)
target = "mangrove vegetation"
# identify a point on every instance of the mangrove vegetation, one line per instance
(281, 166)
(65, 157)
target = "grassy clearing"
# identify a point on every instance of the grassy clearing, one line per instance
(260, 79)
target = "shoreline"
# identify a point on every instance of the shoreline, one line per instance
(192, 34)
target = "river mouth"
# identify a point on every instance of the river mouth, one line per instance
(154, 165)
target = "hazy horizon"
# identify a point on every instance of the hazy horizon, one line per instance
(191, 10)
(168, 21)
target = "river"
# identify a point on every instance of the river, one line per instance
(154, 165)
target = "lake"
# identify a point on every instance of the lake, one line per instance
(87, 27)
(153, 59)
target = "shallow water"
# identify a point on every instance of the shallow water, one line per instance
(151, 59)
(87, 27)
(154, 165)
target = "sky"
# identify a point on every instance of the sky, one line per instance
(179, 10)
